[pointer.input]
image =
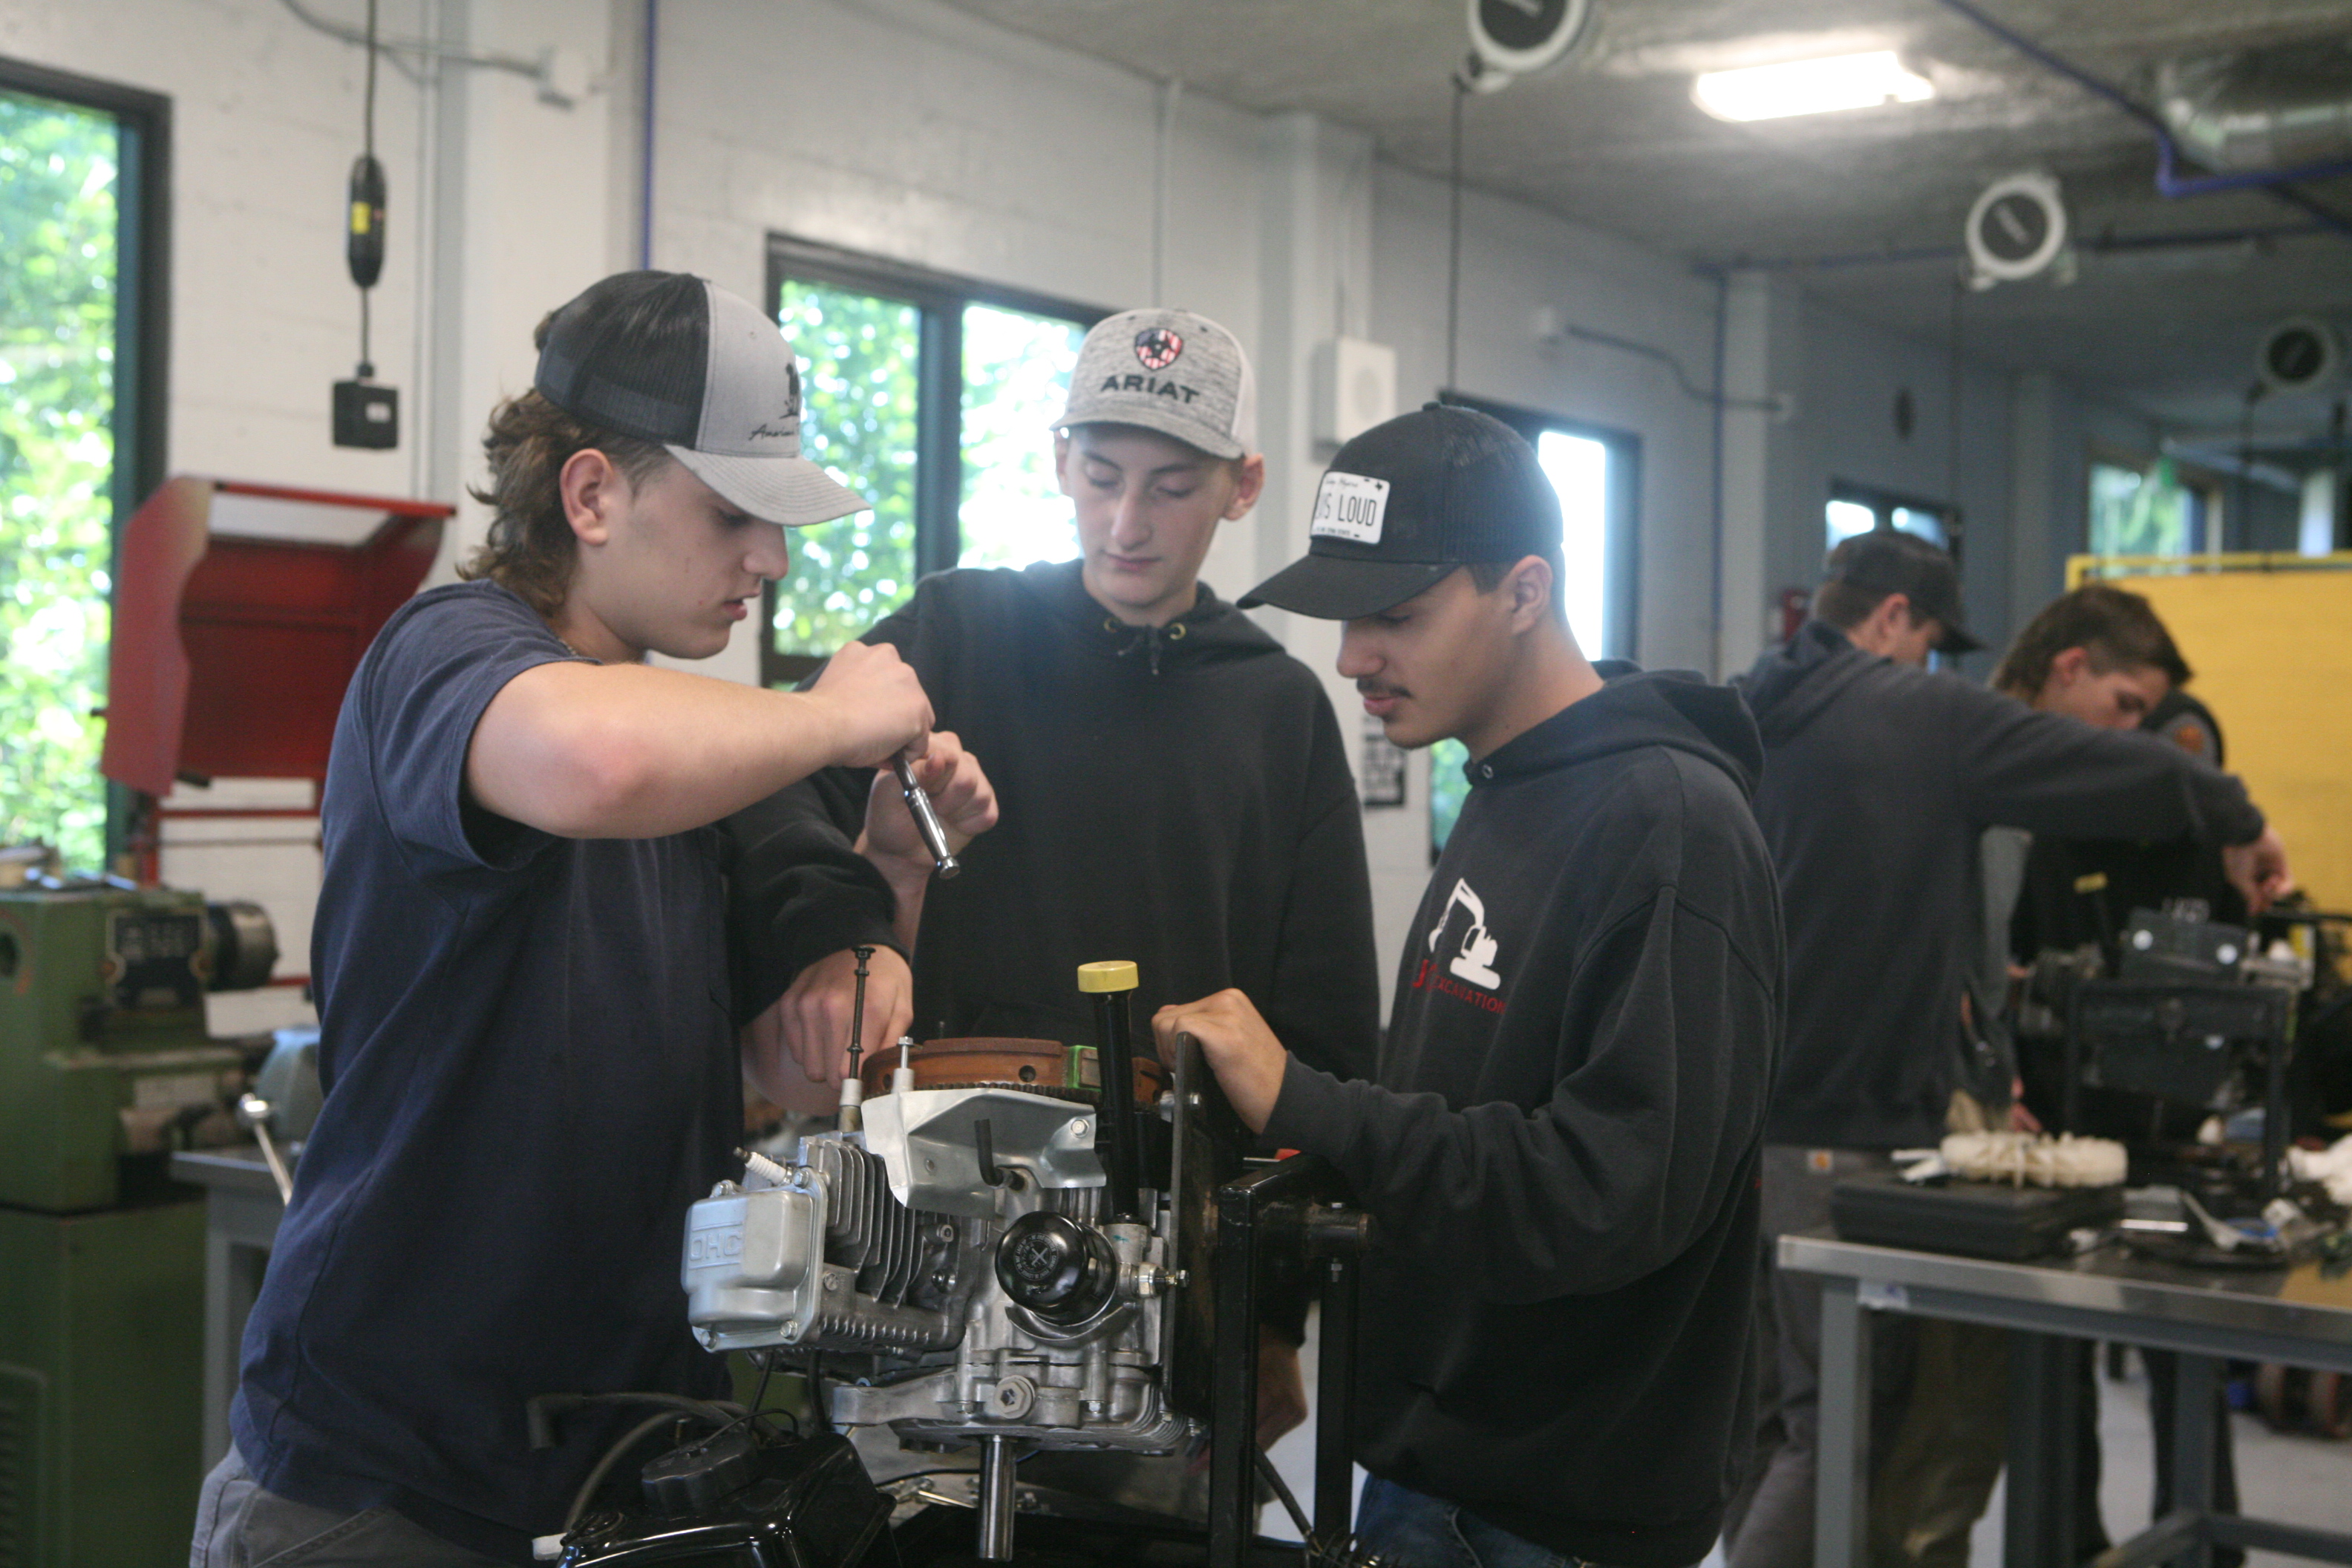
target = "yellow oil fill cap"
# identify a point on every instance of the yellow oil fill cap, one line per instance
(1109, 974)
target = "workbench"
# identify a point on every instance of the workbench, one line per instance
(242, 1209)
(2290, 1316)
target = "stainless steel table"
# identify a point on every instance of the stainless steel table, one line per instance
(2289, 1316)
(241, 1213)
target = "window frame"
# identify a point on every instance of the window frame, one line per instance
(1621, 594)
(1884, 503)
(2208, 526)
(939, 299)
(142, 315)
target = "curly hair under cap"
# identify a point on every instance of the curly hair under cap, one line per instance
(2115, 626)
(531, 550)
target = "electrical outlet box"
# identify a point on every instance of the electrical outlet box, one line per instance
(367, 414)
(1354, 388)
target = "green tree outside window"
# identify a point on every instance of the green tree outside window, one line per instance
(58, 224)
(860, 356)
(2136, 513)
(1016, 381)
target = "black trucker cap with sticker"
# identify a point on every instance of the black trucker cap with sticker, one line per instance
(669, 357)
(1405, 503)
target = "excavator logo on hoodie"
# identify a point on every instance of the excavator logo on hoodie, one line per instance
(1473, 960)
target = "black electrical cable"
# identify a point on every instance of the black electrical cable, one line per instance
(1453, 243)
(760, 1389)
(612, 1455)
(2245, 470)
(367, 142)
(1282, 1490)
(1319, 1551)
(1952, 405)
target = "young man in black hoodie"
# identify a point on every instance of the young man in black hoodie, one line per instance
(1173, 784)
(1559, 1141)
(1880, 782)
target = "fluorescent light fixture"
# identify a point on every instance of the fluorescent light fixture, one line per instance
(1809, 87)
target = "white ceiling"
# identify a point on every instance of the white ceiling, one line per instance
(1612, 139)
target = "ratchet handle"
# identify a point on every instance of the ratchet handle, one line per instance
(926, 821)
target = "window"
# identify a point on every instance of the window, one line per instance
(1597, 474)
(82, 388)
(2147, 509)
(931, 397)
(1858, 509)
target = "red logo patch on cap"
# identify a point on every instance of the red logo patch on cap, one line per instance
(1158, 347)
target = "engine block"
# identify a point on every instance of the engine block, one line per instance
(958, 1240)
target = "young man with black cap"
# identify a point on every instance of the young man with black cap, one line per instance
(1559, 1144)
(527, 1046)
(1880, 778)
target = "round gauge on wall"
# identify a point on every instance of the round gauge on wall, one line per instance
(2017, 228)
(1518, 37)
(2299, 354)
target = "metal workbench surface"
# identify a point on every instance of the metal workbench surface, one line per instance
(2288, 1315)
(2170, 1306)
(239, 1168)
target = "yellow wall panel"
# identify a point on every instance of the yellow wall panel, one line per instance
(2273, 653)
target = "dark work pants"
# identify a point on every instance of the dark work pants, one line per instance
(1776, 1529)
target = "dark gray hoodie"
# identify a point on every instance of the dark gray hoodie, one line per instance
(1878, 781)
(1561, 1144)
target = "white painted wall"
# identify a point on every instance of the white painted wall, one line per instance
(911, 131)
(500, 204)
(1845, 429)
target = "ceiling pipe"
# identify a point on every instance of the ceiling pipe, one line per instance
(2169, 181)
(2110, 245)
(2236, 464)
(2262, 108)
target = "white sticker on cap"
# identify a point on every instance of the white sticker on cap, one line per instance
(1349, 507)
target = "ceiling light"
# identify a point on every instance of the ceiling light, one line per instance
(1809, 87)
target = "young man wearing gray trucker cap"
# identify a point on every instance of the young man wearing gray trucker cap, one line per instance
(1173, 784)
(526, 1039)
(1559, 1141)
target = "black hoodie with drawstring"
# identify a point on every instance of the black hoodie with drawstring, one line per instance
(1559, 1146)
(1881, 782)
(1177, 796)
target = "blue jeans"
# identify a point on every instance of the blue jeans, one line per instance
(1417, 1531)
(241, 1525)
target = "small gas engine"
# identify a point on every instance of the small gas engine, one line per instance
(980, 1227)
(1013, 1245)
(965, 1234)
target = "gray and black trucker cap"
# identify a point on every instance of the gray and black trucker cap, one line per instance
(1886, 561)
(673, 358)
(1405, 503)
(1170, 371)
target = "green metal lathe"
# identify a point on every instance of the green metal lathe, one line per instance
(105, 1069)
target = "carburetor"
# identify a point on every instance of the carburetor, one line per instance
(980, 1230)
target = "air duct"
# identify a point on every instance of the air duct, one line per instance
(2261, 110)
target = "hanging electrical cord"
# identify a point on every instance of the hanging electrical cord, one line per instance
(1169, 94)
(366, 414)
(2245, 468)
(1952, 400)
(363, 248)
(1453, 242)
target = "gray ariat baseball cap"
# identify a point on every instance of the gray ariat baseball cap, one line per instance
(1170, 371)
(669, 357)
